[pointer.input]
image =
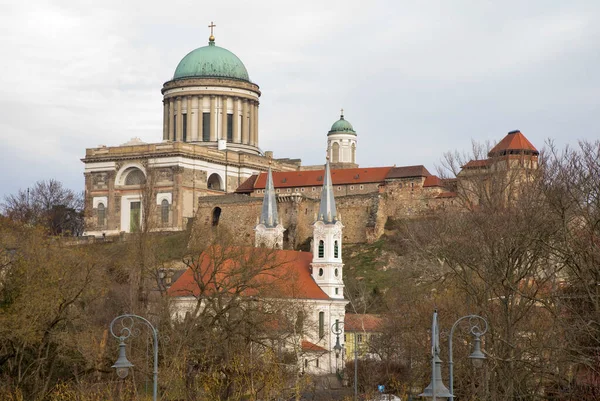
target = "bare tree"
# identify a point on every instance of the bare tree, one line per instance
(48, 204)
(572, 188)
(493, 248)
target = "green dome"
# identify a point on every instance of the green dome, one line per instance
(342, 125)
(211, 62)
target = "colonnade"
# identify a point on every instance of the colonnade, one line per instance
(210, 113)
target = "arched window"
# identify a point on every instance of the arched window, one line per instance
(321, 324)
(101, 215)
(135, 177)
(299, 326)
(214, 182)
(335, 249)
(216, 216)
(321, 249)
(335, 154)
(164, 211)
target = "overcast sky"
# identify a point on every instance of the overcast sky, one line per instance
(416, 79)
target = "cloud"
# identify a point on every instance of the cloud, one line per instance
(416, 78)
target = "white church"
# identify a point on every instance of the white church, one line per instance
(313, 281)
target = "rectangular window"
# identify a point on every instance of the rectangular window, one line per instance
(359, 338)
(206, 127)
(317, 362)
(336, 291)
(175, 127)
(135, 216)
(184, 126)
(321, 324)
(229, 127)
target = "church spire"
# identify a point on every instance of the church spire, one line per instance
(327, 210)
(269, 216)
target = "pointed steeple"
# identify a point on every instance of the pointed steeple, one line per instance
(327, 210)
(268, 215)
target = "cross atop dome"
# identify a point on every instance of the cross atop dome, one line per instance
(211, 38)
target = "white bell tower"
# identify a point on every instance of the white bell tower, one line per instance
(327, 266)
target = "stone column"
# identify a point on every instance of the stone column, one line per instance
(179, 123)
(200, 116)
(193, 135)
(165, 120)
(245, 138)
(224, 118)
(250, 131)
(236, 119)
(171, 119)
(213, 119)
(189, 119)
(256, 124)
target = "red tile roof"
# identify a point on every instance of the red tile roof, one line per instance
(514, 141)
(433, 181)
(314, 178)
(307, 346)
(476, 164)
(246, 271)
(248, 185)
(362, 322)
(408, 171)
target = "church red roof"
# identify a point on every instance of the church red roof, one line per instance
(307, 346)
(515, 141)
(314, 178)
(246, 271)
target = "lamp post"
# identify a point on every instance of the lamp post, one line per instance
(335, 329)
(477, 357)
(122, 364)
(437, 389)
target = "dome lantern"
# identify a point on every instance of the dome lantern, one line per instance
(342, 125)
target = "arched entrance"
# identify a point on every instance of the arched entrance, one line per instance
(216, 215)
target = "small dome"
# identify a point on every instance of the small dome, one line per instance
(211, 62)
(342, 125)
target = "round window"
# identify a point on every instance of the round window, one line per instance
(336, 272)
(320, 272)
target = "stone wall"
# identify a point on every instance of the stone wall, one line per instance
(364, 215)
(239, 213)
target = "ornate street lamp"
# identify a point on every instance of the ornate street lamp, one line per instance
(122, 364)
(335, 329)
(436, 388)
(477, 357)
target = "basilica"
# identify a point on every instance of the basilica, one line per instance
(209, 169)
